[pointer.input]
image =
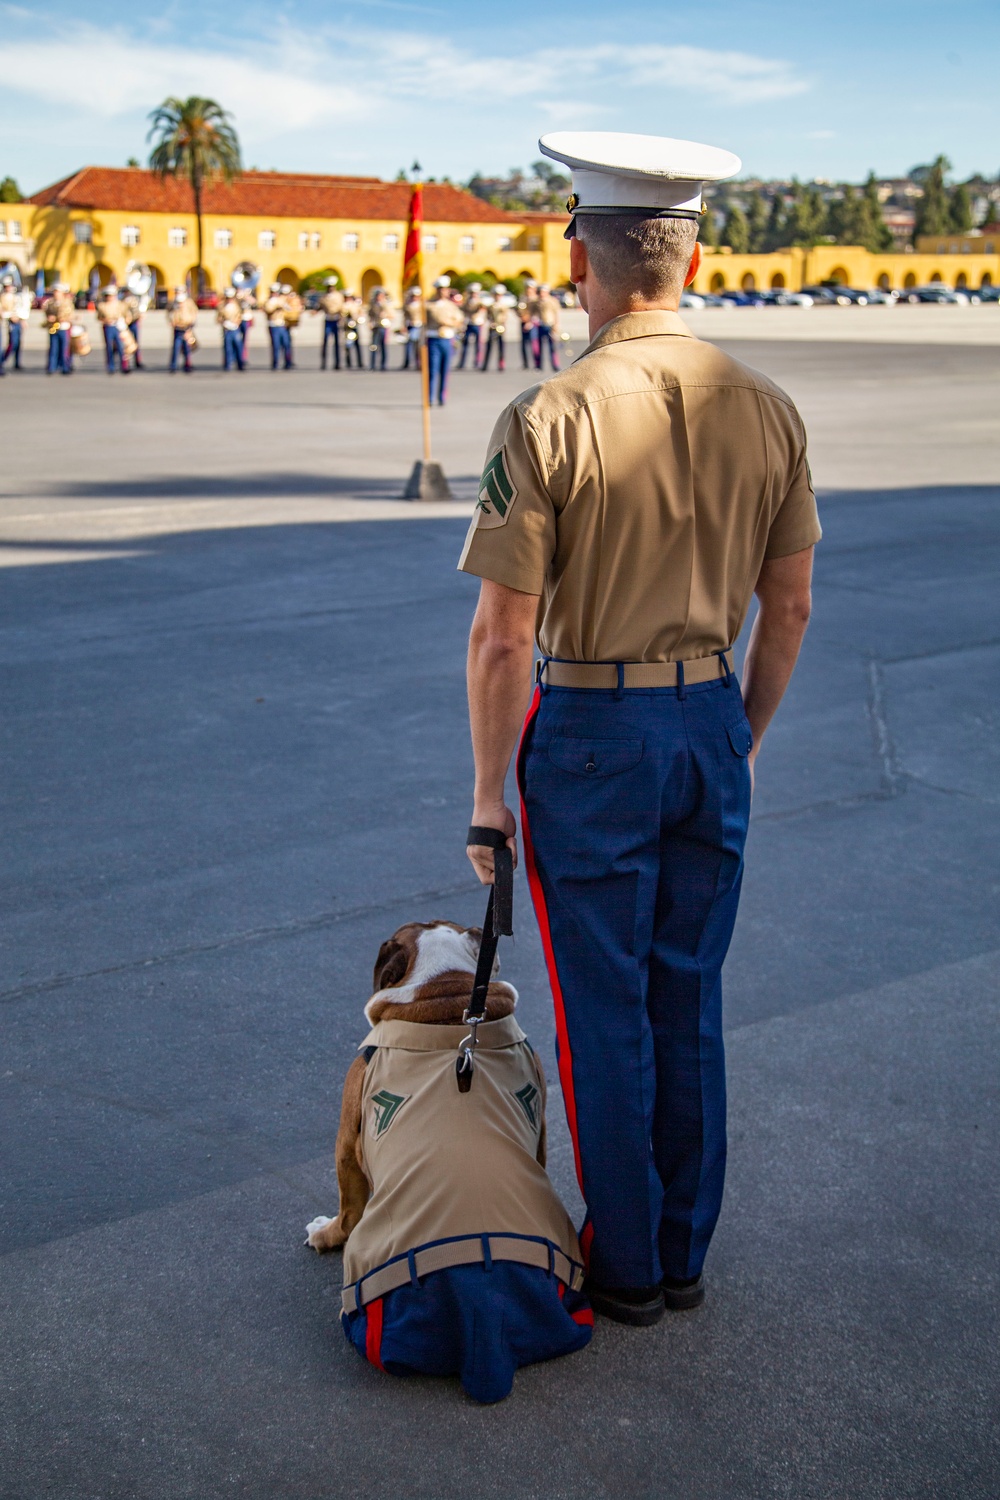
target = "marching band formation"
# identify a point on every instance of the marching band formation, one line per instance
(472, 324)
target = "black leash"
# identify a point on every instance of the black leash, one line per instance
(498, 923)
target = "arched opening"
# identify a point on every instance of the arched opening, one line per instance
(717, 283)
(159, 291)
(524, 275)
(910, 280)
(288, 277)
(987, 279)
(936, 276)
(369, 281)
(316, 280)
(839, 277)
(192, 278)
(777, 281)
(961, 281)
(100, 276)
(749, 282)
(884, 282)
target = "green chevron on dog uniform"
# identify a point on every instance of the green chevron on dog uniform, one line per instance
(386, 1106)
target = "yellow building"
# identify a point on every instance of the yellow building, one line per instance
(89, 226)
(851, 265)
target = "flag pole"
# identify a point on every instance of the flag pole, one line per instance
(426, 481)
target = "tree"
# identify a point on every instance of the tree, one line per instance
(757, 222)
(736, 231)
(960, 209)
(776, 230)
(133, 161)
(807, 219)
(194, 139)
(933, 208)
(9, 191)
(708, 230)
(876, 232)
(845, 220)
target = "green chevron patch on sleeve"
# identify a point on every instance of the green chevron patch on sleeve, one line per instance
(497, 492)
(528, 1098)
(387, 1107)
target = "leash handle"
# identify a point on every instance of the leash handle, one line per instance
(498, 922)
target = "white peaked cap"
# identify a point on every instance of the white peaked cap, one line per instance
(443, 281)
(614, 171)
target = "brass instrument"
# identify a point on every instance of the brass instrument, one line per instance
(141, 282)
(245, 277)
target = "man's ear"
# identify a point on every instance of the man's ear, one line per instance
(695, 265)
(578, 262)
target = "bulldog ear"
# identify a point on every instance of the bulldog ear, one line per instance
(390, 966)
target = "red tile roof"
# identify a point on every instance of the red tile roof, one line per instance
(277, 195)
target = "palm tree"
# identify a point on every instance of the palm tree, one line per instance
(194, 139)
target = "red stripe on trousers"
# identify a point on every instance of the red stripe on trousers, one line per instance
(373, 1333)
(542, 915)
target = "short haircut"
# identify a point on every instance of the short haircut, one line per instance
(647, 258)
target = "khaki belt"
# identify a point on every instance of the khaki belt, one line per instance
(469, 1250)
(635, 674)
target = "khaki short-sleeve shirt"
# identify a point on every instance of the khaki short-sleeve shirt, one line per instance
(638, 493)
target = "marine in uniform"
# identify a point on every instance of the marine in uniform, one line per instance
(353, 320)
(474, 309)
(629, 509)
(111, 316)
(526, 314)
(444, 318)
(182, 315)
(12, 313)
(293, 317)
(545, 310)
(413, 320)
(380, 316)
(230, 315)
(331, 305)
(245, 298)
(274, 310)
(497, 327)
(57, 311)
(132, 311)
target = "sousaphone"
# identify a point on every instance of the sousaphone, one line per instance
(140, 281)
(245, 277)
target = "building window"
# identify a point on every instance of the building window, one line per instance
(430, 242)
(942, 249)
(83, 234)
(989, 246)
(3, 229)
(223, 239)
(304, 240)
(534, 242)
(390, 242)
(315, 240)
(177, 238)
(130, 235)
(351, 241)
(467, 244)
(13, 229)
(504, 242)
(267, 239)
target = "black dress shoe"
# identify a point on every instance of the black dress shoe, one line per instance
(639, 1306)
(678, 1296)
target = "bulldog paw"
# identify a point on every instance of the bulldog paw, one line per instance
(324, 1234)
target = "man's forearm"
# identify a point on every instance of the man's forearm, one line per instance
(499, 679)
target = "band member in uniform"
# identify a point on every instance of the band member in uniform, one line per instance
(182, 315)
(630, 508)
(413, 318)
(497, 327)
(230, 315)
(354, 324)
(546, 316)
(293, 316)
(331, 305)
(274, 311)
(57, 311)
(111, 316)
(247, 304)
(475, 317)
(525, 312)
(380, 320)
(132, 312)
(12, 313)
(444, 318)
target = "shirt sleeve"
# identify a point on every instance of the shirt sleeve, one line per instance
(512, 537)
(795, 523)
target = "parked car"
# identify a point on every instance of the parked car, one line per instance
(827, 296)
(693, 300)
(988, 294)
(743, 299)
(937, 292)
(712, 299)
(207, 299)
(781, 297)
(881, 297)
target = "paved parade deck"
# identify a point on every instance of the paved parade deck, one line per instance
(236, 758)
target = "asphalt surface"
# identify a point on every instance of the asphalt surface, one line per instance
(235, 758)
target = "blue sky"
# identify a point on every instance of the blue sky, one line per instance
(366, 87)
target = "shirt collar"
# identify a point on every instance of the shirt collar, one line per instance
(639, 325)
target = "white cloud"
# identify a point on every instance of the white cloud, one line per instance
(281, 83)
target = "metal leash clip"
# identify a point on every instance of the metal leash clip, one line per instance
(499, 922)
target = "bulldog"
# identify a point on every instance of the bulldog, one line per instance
(459, 1257)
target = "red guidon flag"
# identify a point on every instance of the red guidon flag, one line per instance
(412, 258)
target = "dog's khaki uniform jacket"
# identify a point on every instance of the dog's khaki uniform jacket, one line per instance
(450, 1167)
